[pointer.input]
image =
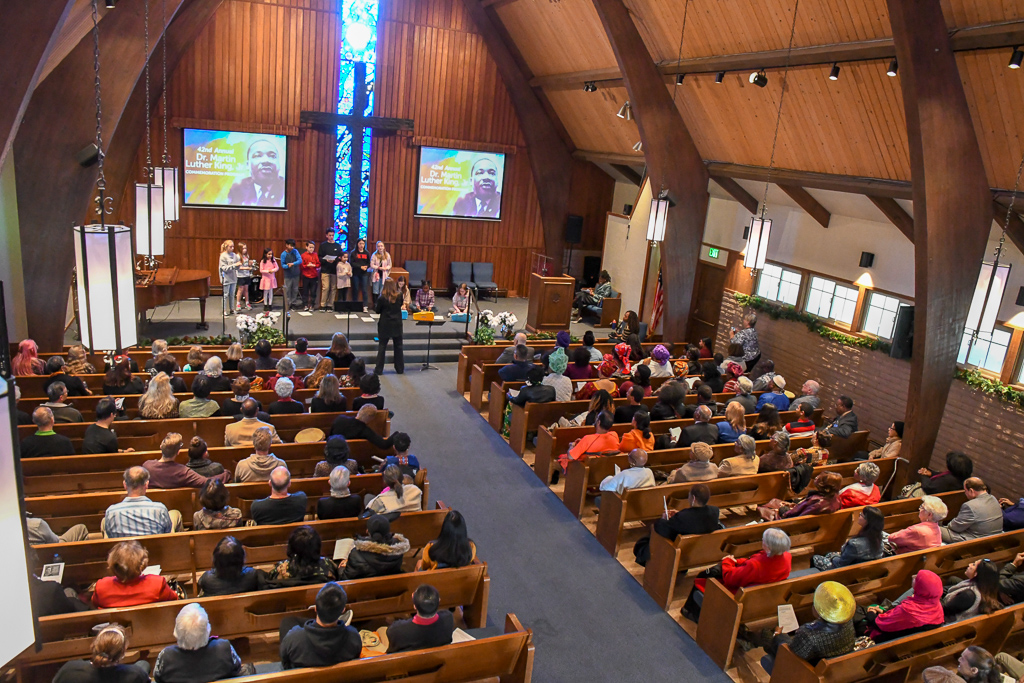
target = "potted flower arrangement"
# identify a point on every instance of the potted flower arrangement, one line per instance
(263, 326)
(506, 320)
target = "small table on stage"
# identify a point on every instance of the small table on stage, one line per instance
(438, 320)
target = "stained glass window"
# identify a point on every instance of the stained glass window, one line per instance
(358, 44)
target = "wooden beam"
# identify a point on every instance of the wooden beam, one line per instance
(808, 203)
(495, 3)
(953, 215)
(897, 189)
(609, 157)
(629, 174)
(982, 37)
(332, 121)
(737, 192)
(30, 32)
(673, 163)
(896, 215)
(1014, 229)
(550, 159)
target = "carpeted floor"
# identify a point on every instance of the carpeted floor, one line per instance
(591, 620)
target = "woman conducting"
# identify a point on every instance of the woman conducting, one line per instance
(389, 326)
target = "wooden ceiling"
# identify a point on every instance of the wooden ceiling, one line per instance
(852, 126)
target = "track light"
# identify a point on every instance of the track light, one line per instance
(759, 78)
(720, 77)
(625, 111)
(1016, 58)
(639, 146)
(679, 78)
(893, 68)
(590, 86)
(833, 75)
(109, 4)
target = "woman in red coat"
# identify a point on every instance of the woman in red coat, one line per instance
(128, 586)
(771, 564)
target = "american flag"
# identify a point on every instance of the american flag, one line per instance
(659, 305)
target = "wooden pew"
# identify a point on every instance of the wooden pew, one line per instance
(88, 473)
(147, 434)
(723, 612)
(817, 534)
(191, 552)
(62, 512)
(474, 354)
(553, 443)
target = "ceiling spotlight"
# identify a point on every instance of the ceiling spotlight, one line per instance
(1016, 58)
(625, 111)
(720, 77)
(679, 78)
(590, 86)
(759, 79)
(639, 146)
(109, 4)
(893, 68)
(833, 75)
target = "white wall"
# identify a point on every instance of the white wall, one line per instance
(10, 254)
(625, 251)
(625, 193)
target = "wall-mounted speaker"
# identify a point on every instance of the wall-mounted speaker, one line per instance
(903, 333)
(1020, 297)
(574, 229)
(866, 259)
(88, 155)
(627, 209)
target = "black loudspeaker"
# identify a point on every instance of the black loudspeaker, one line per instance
(591, 269)
(627, 210)
(1020, 297)
(867, 259)
(574, 229)
(88, 155)
(903, 333)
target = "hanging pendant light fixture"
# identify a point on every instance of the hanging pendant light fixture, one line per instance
(760, 229)
(166, 175)
(104, 262)
(149, 196)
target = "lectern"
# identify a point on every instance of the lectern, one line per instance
(550, 303)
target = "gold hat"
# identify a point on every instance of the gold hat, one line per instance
(834, 602)
(310, 435)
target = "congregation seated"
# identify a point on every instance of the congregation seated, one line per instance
(62, 411)
(659, 362)
(167, 365)
(893, 442)
(45, 442)
(507, 354)
(804, 423)
(535, 391)
(701, 431)
(705, 397)
(734, 355)
(1013, 514)
(640, 436)
(520, 366)
(767, 423)
(358, 427)
(105, 665)
(864, 491)
(165, 473)
(240, 389)
(119, 380)
(733, 425)
(323, 369)
(580, 367)
(846, 422)
(958, 470)
(744, 395)
(823, 499)
(408, 463)
(977, 594)
(285, 370)
(300, 358)
(247, 369)
(452, 548)
(340, 352)
(831, 634)
(342, 503)
(196, 656)
(699, 468)
(232, 356)
(636, 476)
(158, 348)
(808, 394)
(920, 611)
(356, 372)
(746, 461)
(213, 368)
(336, 454)
(556, 378)
(763, 380)
(775, 394)
(588, 342)
(924, 534)
(27, 360)
(129, 586)
(195, 360)
(562, 341)
(280, 507)
(264, 361)
(601, 441)
(977, 665)
(328, 398)
(980, 516)
(429, 627)
(697, 518)
(215, 513)
(304, 566)
(801, 473)
(57, 371)
(229, 575)
(158, 402)
(690, 363)
(39, 532)
(778, 458)
(817, 454)
(670, 405)
(864, 546)
(241, 433)
(24, 419)
(605, 371)
(641, 377)
(634, 404)
(326, 639)
(396, 496)
(137, 515)
(379, 553)
(370, 386)
(711, 377)
(200, 405)
(100, 436)
(636, 350)
(285, 404)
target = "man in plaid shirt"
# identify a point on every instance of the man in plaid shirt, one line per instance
(137, 515)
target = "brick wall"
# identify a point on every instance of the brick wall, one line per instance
(987, 429)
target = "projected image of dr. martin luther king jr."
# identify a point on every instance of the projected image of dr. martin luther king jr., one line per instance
(264, 186)
(485, 199)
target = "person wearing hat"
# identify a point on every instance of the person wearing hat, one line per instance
(776, 394)
(336, 454)
(605, 371)
(831, 634)
(700, 430)
(659, 362)
(744, 395)
(562, 341)
(699, 468)
(429, 627)
(556, 379)
(733, 371)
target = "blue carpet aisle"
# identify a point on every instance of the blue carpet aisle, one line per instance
(591, 620)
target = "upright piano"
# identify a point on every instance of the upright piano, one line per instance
(169, 284)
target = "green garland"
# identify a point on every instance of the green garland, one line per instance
(814, 324)
(484, 336)
(993, 387)
(220, 340)
(544, 336)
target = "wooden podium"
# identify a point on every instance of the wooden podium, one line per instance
(550, 303)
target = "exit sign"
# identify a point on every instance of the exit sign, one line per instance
(713, 252)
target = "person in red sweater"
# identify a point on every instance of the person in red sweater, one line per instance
(771, 564)
(805, 424)
(128, 586)
(310, 271)
(863, 491)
